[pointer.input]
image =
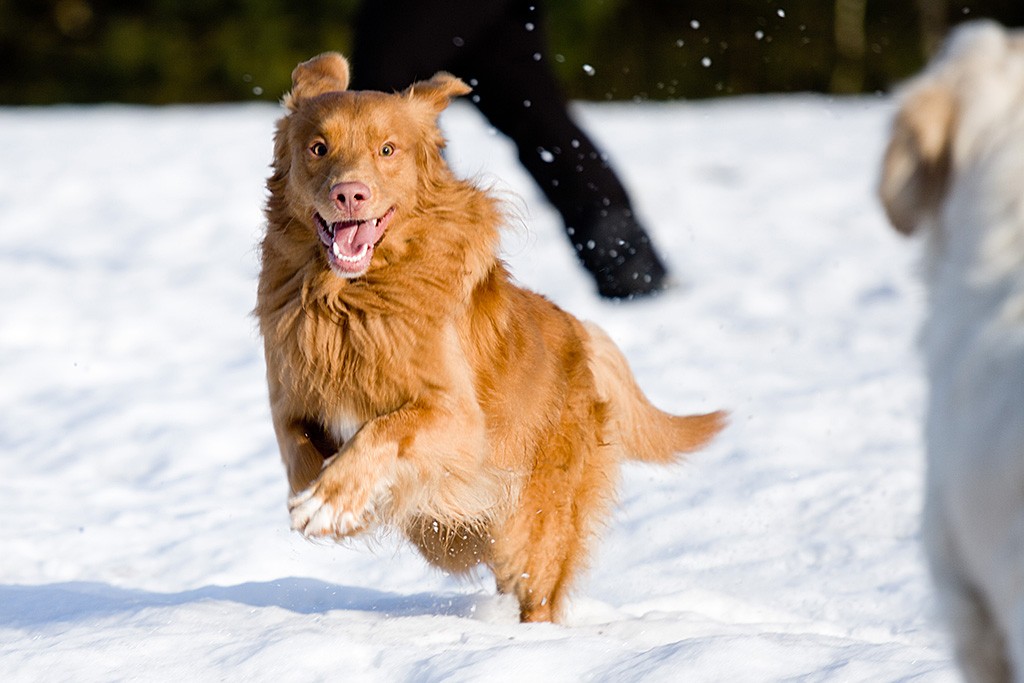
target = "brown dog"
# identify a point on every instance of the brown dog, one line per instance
(411, 383)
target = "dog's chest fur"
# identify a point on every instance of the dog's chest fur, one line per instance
(349, 365)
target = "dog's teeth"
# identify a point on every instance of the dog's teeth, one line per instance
(350, 259)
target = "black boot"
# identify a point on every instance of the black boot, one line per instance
(618, 253)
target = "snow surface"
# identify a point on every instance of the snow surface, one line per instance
(145, 535)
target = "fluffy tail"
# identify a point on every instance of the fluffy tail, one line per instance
(642, 431)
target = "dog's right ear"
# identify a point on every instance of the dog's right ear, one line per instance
(916, 167)
(327, 72)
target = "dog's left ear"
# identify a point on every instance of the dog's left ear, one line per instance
(327, 72)
(438, 91)
(916, 167)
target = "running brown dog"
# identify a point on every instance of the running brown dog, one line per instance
(412, 384)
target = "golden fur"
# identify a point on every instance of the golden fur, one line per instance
(426, 392)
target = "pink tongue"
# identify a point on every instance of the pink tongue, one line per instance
(350, 237)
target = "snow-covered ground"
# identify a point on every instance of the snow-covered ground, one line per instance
(144, 533)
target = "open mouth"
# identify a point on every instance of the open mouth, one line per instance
(350, 243)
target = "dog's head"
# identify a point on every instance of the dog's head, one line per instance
(950, 118)
(349, 165)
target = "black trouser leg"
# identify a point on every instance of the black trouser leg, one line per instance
(499, 48)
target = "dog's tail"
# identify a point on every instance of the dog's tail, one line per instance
(639, 429)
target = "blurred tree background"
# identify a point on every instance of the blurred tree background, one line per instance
(164, 51)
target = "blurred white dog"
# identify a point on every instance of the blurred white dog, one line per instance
(954, 170)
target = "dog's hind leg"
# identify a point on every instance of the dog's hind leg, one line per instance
(1015, 640)
(541, 549)
(980, 645)
(978, 641)
(1011, 591)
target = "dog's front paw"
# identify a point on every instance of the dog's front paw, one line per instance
(316, 517)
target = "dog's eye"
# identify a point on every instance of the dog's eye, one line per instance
(387, 150)
(318, 149)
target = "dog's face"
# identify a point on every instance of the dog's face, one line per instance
(950, 119)
(353, 163)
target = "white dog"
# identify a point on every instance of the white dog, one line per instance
(954, 170)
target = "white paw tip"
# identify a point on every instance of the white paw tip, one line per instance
(305, 508)
(321, 521)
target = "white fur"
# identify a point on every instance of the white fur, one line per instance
(314, 517)
(973, 342)
(344, 428)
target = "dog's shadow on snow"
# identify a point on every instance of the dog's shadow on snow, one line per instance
(26, 606)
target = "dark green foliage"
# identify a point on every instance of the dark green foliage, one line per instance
(161, 51)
